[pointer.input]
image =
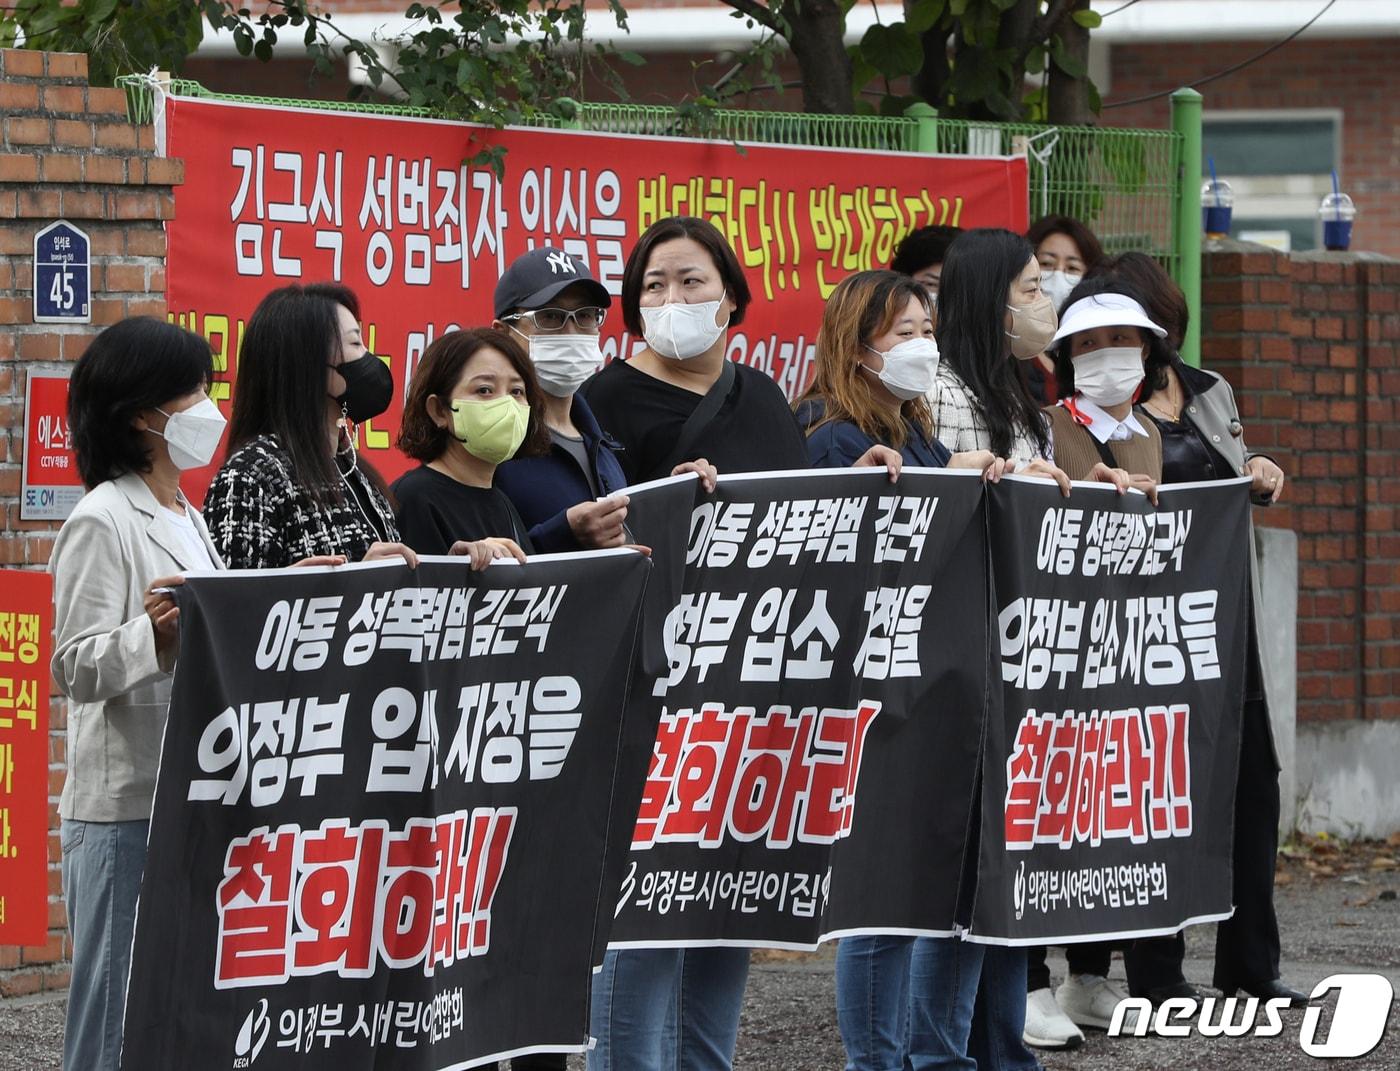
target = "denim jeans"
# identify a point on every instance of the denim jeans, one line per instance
(967, 1007)
(102, 867)
(667, 1008)
(872, 1000)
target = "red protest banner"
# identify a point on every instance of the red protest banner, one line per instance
(386, 206)
(52, 486)
(26, 625)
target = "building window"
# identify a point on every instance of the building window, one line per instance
(1280, 166)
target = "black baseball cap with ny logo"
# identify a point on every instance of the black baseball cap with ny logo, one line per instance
(534, 279)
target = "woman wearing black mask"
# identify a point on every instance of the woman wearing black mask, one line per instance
(292, 485)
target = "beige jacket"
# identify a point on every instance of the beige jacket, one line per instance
(115, 543)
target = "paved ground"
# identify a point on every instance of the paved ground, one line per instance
(1338, 910)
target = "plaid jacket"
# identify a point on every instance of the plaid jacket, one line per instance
(958, 421)
(260, 517)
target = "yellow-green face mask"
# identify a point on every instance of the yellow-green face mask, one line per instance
(492, 430)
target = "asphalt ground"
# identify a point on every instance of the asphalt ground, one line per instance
(1339, 912)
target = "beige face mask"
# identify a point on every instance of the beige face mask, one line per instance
(1032, 327)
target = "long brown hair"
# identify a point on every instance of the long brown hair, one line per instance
(863, 306)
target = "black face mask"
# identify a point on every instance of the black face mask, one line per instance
(369, 387)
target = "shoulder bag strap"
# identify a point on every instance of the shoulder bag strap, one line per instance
(701, 416)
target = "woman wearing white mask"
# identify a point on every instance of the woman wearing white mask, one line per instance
(1106, 349)
(567, 494)
(139, 415)
(1066, 251)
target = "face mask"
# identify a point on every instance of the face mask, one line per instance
(1032, 327)
(1109, 376)
(492, 430)
(192, 435)
(1057, 286)
(563, 361)
(682, 331)
(909, 367)
(369, 387)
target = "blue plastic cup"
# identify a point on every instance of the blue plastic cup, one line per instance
(1336, 234)
(1216, 219)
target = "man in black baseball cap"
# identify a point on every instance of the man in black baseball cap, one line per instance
(534, 280)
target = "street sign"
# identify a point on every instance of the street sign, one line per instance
(62, 275)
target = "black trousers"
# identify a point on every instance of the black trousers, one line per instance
(1092, 958)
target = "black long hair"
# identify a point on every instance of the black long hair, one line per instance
(134, 365)
(1159, 350)
(978, 271)
(291, 337)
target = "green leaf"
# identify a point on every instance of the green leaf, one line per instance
(1069, 64)
(1035, 60)
(958, 8)
(1090, 20)
(923, 15)
(636, 59)
(892, 50)
(263, 50)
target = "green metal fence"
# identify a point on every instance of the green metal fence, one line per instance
(1128, 185)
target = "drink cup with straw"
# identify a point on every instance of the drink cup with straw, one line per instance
(1217, 204)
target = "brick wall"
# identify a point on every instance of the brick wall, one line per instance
(1311, 344)
(66, 151)
(1352, 76)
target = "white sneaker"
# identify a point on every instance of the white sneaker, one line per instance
(1089, 999)
(1046, 1026)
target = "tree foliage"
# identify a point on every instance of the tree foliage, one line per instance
(119, 36)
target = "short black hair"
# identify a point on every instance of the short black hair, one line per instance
(922, 248)
(136, 364)
(1159, 351)
(668, 230)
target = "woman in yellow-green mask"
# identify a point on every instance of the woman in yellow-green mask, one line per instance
(473, 403)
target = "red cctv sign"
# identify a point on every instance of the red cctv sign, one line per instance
(51, 485)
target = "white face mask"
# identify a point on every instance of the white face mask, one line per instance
(682, 331)
(563, 361)
(909, 367)
(1058, 284)
(1109, 376)
(192, 435)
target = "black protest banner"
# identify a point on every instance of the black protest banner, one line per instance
(813, 680)
(380, 815)
(1109, 784)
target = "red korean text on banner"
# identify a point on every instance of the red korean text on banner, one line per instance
(26, 624)
(51, 486)
(386, 206)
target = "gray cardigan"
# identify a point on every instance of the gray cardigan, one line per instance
(115, 543)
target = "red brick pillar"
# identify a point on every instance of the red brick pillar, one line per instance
(66, 151)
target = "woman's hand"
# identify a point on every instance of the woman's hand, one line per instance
(1140, 481)
(319, 559)
(993, 468)
(881, 457)
(1043, 470)
(599, 524)
(702, 468)
(483, 552)
(164, 614)
(1102, 473)
(1268, 477)
(391, 550)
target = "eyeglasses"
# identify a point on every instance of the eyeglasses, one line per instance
(587, 319)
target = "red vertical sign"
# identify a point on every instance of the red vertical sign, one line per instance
(26, 628)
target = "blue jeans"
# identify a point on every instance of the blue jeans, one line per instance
(102, 867)
(872, 1000)
(667, 1008)
(967, 1007)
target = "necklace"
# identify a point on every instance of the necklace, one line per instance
(1168, 409)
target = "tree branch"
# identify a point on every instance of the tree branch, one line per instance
(760, 14)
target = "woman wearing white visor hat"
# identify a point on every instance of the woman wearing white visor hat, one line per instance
(1105, 350)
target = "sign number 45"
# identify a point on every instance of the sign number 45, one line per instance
(62, 275)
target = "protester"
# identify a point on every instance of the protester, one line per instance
(1065, 249)
(473, 404)
(1107, 351)
(920, 254)
(292, 484)
(567, 495)
(875, 361)
(1203, 439)
(678, 398)
(138, 414)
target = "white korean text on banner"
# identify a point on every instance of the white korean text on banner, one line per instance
(380, 815)
(1110, 767)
